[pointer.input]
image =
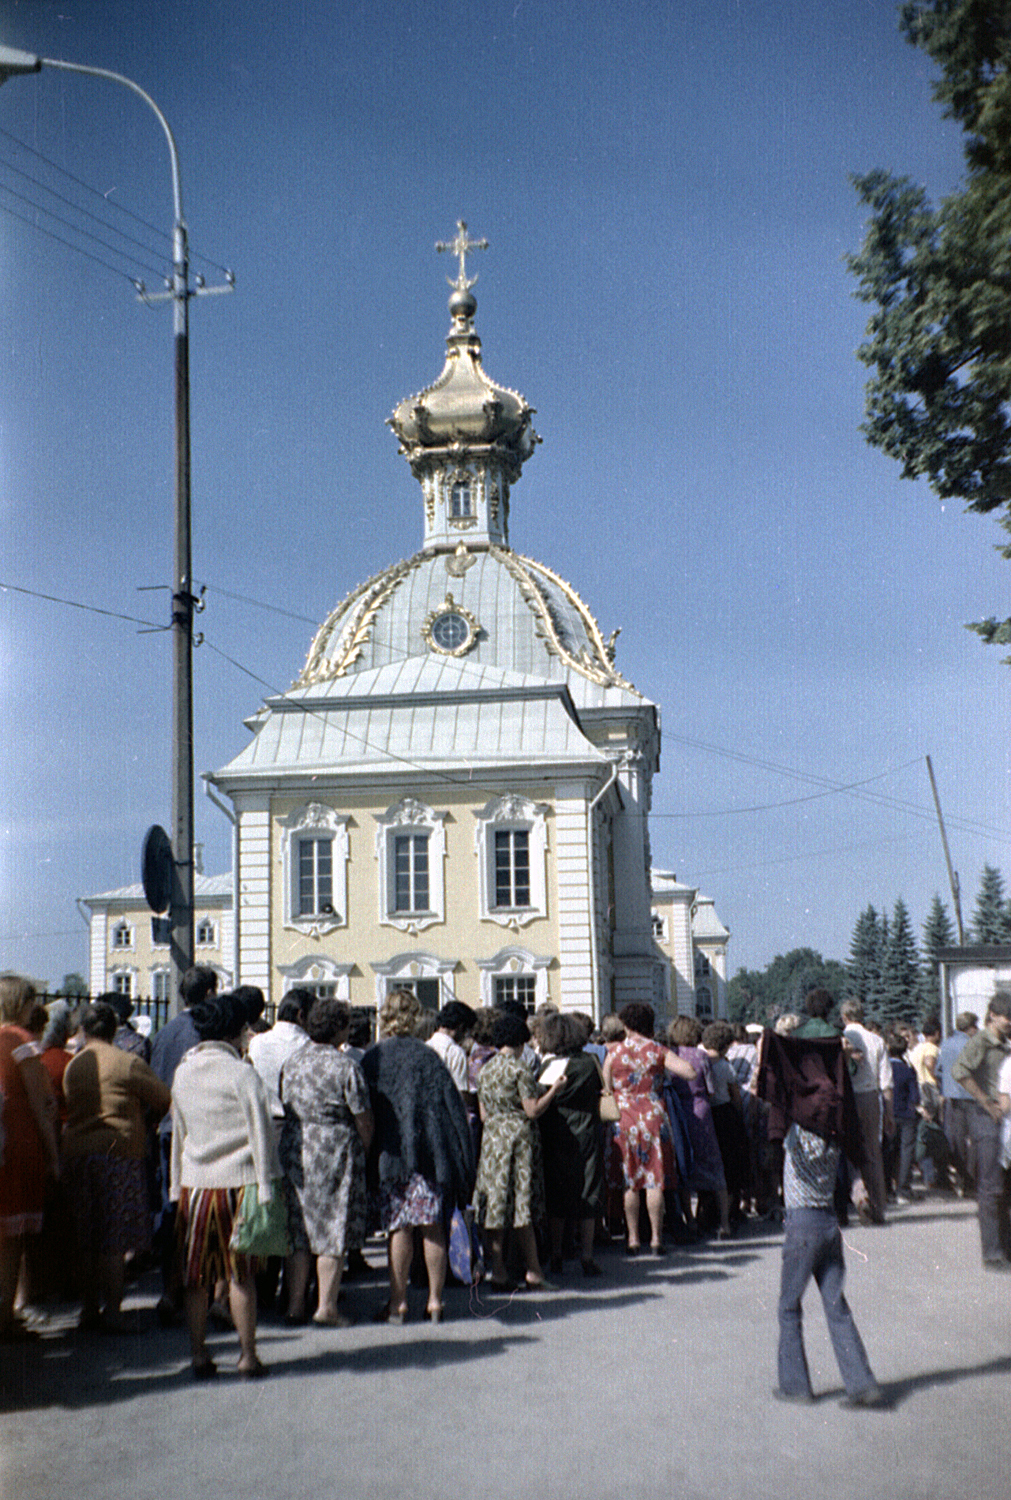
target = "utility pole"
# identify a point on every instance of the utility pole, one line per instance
(184, 602)
(952, 874)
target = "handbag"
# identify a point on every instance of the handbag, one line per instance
(609, 1114)
(465, 1260)
(608, 1105)
(261, 1229)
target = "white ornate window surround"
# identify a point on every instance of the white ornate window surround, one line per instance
(124, 982)
(161, 984)
(318, 973)
(206, 933)
(514, 962)
(511, 870)
(409, 969)
(315, 823)
(122, 936)
(411, 844)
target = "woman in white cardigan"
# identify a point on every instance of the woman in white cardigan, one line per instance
(222, 1142)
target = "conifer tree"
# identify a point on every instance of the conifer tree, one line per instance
(938, 933)
(991, 922)
(900, 970)
(866, 954)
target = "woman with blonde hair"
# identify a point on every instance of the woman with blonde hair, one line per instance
(30, 1151)
(421, 1164)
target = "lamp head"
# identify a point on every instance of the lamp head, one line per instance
(12, 61)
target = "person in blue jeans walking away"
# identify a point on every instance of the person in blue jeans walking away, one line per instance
(807, 1084)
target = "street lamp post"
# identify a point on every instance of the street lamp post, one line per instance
(182, 947)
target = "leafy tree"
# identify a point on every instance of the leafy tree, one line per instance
(867, 952)
(991, 921)
(780, 988)
(900, 970)
(938, 933)
(73, 985)
(939, 340)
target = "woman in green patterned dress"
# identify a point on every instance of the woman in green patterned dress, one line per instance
(510, 1182)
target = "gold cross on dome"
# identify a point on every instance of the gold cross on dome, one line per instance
(459, 247)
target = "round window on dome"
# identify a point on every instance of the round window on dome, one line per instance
(450, 631)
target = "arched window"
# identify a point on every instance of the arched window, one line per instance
(122, 935)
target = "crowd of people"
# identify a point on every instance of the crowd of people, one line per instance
(249, 1160)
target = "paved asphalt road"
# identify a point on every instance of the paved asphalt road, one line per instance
(653, 1382)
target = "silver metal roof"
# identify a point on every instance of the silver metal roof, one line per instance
(443, 715)
(528, 620)
(204, 888)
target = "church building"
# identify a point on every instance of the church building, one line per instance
(453, 795)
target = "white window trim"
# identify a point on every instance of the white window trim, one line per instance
(407, 816)
(514, 962)
(318, 821)
(212, 941)
(505, 813)
(153, 972)
(121, 924)
(131, 972)
(316, 968)
(415, 965)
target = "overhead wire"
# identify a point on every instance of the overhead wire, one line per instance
(109, 202)
(78, 249)
(92, 609)
(830, 788)
(76, 207)
(85, 234)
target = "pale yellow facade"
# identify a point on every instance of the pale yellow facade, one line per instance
(128, 953)
(366, 938)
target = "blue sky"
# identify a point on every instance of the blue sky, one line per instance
(665, 192)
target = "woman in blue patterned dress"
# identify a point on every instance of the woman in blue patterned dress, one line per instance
(641, 1155)
(326, 1133)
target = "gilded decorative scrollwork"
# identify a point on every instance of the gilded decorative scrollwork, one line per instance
(596, 665)
(326, 660)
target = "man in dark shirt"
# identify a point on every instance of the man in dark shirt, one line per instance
(127, 1038)
(958, 1103)
(977, 1068)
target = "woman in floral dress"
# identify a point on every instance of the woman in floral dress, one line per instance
(326, 1133)
(510, 1182)
(642, 1148)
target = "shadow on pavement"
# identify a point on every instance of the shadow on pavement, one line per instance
(898, 1390)
(53, 1373)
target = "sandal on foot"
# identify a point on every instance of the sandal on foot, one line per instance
(204, 1369)
(254, 1372)
(339, 1320)
(388, 1314)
